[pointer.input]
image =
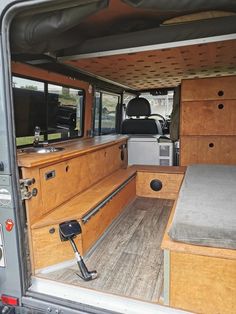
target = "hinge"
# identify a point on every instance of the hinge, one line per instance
(24, 188)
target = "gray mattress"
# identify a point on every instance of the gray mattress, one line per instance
(206, 208)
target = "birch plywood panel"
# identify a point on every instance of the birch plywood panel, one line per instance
(202, 284)
(48, 248)
(94, 228)
(164, 67)
(208, 117)
(208, 149)
(170, 184)
(75, 175)
(217, 88)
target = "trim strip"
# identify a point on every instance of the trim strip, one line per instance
(166, 277)
(150, 47)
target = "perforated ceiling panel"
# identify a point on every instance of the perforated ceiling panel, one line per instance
(166, 67)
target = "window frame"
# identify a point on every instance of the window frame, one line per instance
(46, 83)
(101, 92)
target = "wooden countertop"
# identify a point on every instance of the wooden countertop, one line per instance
(72, 149)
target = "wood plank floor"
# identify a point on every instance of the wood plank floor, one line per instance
(129, 260)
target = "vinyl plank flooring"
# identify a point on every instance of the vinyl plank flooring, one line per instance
(129, 260)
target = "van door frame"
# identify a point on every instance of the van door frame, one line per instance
(15, 272)
(14, 278)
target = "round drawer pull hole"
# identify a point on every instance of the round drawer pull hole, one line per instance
(156, 185)
(220, 93)
(52, 230)
(220, 106)
(211, 145)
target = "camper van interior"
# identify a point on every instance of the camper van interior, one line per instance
(125, 125)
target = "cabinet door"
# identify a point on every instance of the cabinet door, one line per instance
(211, 117)
(208, 149)
(62, 181)
(216, 88)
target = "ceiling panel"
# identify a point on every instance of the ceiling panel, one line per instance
(165, 67)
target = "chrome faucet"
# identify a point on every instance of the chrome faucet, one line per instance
(36, 141)
(37, 131)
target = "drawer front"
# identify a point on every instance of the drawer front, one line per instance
(61, 181)
(207, 149)
(216, 88)
(208, 117)
(48, 248)
(97, 224)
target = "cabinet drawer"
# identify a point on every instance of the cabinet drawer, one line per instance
(207, 149)
(216, 88)
(208, 117)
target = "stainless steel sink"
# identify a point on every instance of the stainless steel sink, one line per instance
(41, 150)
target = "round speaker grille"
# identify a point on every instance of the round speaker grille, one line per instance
(156, 185)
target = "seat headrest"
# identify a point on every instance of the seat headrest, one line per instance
(138, 106)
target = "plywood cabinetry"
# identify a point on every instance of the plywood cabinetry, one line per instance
(207, 121)
(47, 248)
(208, 117)
(60, 181)
(70, 188)
(199, 279)
(77, 174)
(202, 284)
(208, 150)
(171, 183)
(216, 88)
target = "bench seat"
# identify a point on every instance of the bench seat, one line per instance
(80, 205)
(205, 212)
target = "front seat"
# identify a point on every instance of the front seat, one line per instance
(140, 107)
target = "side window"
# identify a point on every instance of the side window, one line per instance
(57, 110)
(29, 109)
(105, 113)
(64, 112)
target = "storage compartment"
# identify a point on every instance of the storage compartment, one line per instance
(215, 88)
(47, 248)
(212, 117)
(169, 184)
(208, 150)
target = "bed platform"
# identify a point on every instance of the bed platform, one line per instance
(201, 277)
(206, 208)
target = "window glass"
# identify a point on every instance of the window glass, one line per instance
(27, 84)
(97, 113)
(105, 113)
(64, 112)
(55, 109)
(29, 109)
(161, 104)
(108, 121)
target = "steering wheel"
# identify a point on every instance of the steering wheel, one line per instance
(160, 116)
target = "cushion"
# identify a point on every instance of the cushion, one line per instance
(206, 208)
